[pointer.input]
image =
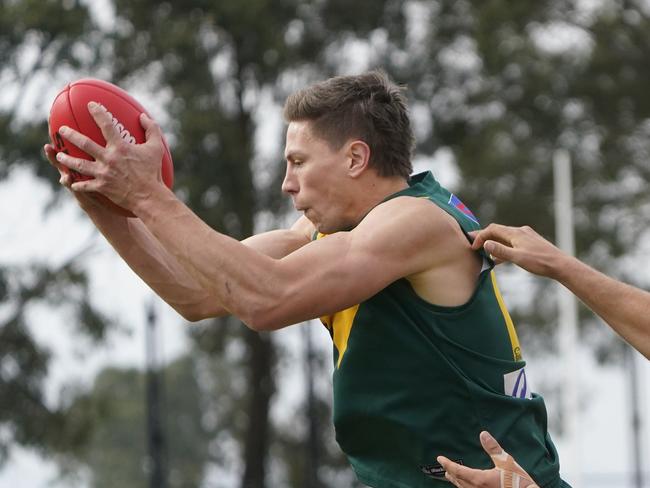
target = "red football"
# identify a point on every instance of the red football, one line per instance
(70, 108)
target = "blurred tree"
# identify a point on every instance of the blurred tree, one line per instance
(116, 451)
(25, 412)
(502, 86)
(37, 40)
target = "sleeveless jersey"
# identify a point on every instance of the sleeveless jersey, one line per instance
(413, 380)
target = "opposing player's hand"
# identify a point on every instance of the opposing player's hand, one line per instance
(125, 173)
(505, 474)
(522, 246)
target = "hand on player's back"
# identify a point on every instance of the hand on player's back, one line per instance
(521, 246)
(505, 474)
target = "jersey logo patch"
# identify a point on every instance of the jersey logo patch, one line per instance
(436, 471)
(516, 385)
(454, 201)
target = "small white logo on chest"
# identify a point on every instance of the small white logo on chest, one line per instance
(516, 385)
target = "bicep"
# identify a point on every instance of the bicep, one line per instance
(346, 268)
(282, 242)
(276, 244)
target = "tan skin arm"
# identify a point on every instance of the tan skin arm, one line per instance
(320, 278)
(159, 269)
(626, 309)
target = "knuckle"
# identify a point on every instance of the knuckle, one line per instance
(110, 172)
(111, 159)
(110, 155)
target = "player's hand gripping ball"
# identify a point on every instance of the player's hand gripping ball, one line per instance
(70, 108)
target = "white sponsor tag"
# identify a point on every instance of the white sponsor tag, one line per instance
(516, 385)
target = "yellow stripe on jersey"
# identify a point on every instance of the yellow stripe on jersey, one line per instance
(514, 340)
(341, 324)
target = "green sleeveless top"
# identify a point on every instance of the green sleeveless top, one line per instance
(414, 380)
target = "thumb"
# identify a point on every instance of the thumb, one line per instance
(491, 446)
(512, 473)
(498, 251)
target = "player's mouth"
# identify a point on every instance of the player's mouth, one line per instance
(299, 208)
(304, 210)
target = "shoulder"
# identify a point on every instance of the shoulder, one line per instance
(418, 216)
(413, 234)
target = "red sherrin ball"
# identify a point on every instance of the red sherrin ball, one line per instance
(70, 108)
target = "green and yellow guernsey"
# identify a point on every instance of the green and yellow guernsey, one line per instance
(413, 380)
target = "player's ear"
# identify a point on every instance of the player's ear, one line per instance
(358, 157)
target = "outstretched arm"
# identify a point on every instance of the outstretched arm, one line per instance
(320, 278)
(625, 308)
(505, 474)
(146, 256)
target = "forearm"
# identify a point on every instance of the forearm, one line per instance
(625, 308)
(238, 277)
(144, 254)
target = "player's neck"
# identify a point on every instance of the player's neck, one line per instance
(374, 191)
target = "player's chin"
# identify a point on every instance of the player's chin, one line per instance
(313, 218)
(313, 221)
(325, 227)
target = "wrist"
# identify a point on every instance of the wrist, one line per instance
(564, 268)
(155, 199)
(88, 203)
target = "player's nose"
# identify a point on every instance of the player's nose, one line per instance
(289, 184)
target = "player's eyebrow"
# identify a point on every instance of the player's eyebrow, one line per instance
(293, 155)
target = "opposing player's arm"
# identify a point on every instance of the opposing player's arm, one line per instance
(624, 307)
(322, 277)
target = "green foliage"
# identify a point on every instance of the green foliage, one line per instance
(116, 450)
(523, 101)
(49, 18)
(24, 362)
(503, 94)
(38, 40)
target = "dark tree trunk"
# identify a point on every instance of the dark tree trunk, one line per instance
(260, 381)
